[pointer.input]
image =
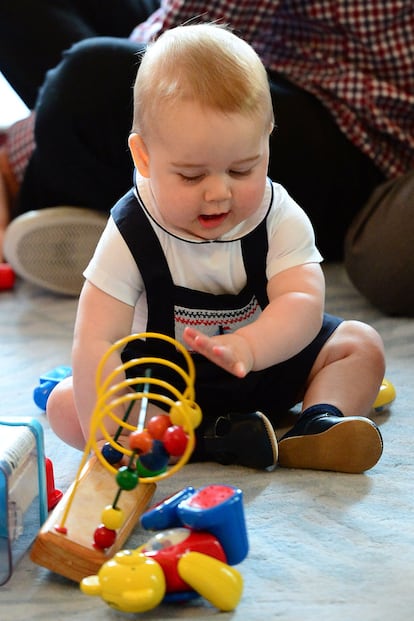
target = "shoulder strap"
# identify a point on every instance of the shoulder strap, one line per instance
(146, 249)
(254, 248)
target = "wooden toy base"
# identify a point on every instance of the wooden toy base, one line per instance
(73, 555)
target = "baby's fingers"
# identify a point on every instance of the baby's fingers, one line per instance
(195, 340)
(223, 357)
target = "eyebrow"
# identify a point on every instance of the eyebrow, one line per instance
(246, 160)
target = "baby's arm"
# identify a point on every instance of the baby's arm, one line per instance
(101, 321)
(291, 320)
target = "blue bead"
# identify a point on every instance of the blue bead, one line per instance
(156, 459)
(111, 454)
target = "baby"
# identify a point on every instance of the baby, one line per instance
(207, 249)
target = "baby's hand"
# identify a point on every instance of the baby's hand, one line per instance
(229, 351)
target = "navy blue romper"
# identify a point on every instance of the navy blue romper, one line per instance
(273, 390)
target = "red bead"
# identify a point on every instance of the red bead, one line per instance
(175, 440)
(104, 537)
(140, 442)
(157, 425)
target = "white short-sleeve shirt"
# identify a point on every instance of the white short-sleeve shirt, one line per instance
(210, 266)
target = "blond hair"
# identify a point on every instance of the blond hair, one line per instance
(205, 63)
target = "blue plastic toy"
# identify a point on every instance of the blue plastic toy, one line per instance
(47, 383)
(204, 534)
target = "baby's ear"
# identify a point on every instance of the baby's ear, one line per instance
(139, 154)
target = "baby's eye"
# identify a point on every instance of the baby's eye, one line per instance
(190, 178)
(240, 173)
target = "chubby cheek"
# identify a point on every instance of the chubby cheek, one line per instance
(165, 191)
(249, 200)
(176, 205)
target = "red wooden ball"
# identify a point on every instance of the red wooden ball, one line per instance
(175, 440)
(104, 537)
(157, 425)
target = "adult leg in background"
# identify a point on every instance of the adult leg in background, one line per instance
(81, 159)
(329, 177)
(379, 247)
(33, 35)
(84, 115)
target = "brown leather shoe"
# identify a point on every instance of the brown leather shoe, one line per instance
(326, 442)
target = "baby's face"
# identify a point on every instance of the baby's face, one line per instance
(207, 170)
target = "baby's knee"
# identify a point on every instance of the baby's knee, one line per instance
(363, 340)
(58, 399)
(62, 414)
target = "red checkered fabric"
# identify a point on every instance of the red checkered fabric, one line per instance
(19, 145)
(355, 56)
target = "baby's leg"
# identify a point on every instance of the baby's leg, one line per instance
(332, 432)
(62, 415)
(64, 420)
(348, 371)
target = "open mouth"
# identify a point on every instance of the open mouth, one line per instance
(211, 221)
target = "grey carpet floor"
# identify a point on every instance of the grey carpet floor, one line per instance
(322, 545)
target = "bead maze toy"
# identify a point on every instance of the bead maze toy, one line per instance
(94, 517)
(203, 535)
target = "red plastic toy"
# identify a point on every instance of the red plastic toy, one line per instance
(7, 277)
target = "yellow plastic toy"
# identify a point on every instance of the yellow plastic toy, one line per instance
(386, 395)
(204, 535)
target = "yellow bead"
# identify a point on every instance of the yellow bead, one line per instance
(112, 517)
(185, 415)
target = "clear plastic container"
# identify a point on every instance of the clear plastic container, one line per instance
(23, 493)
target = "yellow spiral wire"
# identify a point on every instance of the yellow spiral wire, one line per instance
(182, 404)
